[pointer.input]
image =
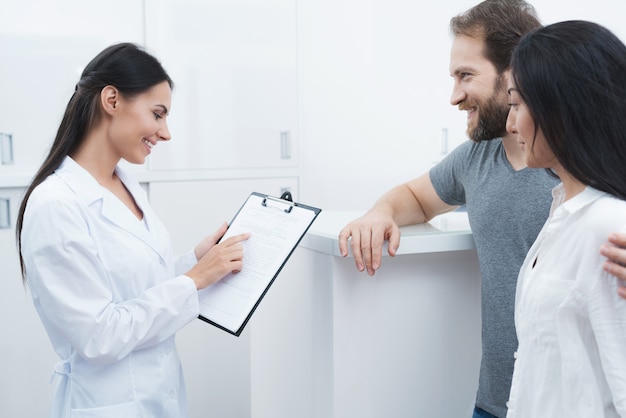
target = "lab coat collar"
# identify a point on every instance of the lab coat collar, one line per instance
(80, 181)
(91, 192)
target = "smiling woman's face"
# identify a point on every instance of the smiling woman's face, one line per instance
(139, 123)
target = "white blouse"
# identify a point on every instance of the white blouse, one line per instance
(570, 321)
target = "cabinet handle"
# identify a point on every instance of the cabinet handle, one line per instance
(6, 148)
(5, 215)
(285, 145)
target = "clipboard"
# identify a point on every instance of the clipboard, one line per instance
(276, 225)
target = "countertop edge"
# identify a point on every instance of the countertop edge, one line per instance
(445, 233)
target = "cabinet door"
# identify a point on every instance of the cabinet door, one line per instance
(234, 67)
(28, 359)
(44, 45)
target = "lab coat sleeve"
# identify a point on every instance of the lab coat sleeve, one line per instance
(73, 291)
(185, 262)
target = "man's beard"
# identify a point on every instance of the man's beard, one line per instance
(492, 115)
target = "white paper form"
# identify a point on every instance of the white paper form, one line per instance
(276, 227)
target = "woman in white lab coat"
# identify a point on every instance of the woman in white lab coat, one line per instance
(96, 258)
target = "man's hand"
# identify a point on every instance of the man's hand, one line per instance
(615, 252)
(367, 235)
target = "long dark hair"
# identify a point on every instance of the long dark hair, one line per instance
(125, 66)
(572, 77)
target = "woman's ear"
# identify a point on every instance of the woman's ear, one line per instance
(109, 99)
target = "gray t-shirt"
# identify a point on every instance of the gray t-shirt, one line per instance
(506, 210)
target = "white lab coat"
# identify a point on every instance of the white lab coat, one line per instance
(105, 286)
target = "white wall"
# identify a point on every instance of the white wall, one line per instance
(369, 71)
(375, 89)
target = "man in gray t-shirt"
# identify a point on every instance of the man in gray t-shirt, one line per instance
(506, 210)
(507, 203)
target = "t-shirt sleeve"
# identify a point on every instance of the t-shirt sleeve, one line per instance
(447, 176)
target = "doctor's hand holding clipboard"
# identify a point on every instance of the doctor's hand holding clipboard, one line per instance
(270, 228)
(217, 260)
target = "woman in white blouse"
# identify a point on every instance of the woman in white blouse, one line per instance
(568, 107)
(98, 262)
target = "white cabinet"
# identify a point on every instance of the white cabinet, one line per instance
(44, 46)
(233, 62)
(27, 356)
(331, 342)
(234, 67)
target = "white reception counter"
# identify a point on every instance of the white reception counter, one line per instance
(330, 342)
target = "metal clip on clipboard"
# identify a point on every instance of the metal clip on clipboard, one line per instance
(285, 199)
